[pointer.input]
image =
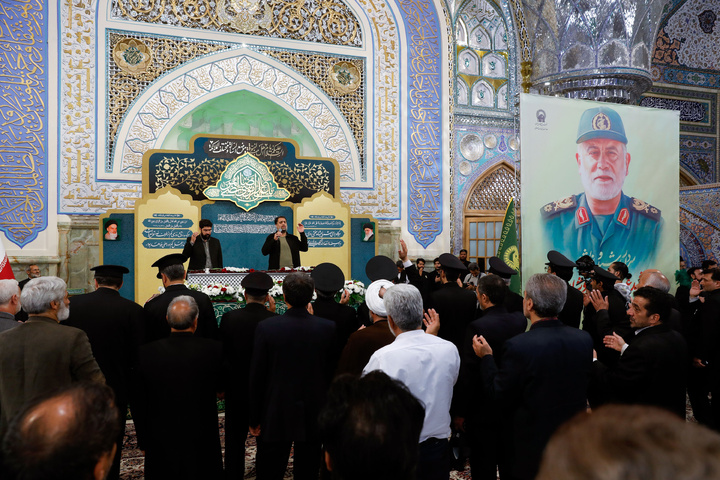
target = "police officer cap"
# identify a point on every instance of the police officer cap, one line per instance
(559, 260)
(380, 267)
(448, 260)
(169, 260)
(500, 268)
(601, 122)
(260, 281)
(114, 271)
(603, 275)
(328, 277)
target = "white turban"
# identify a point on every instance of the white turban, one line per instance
(372, 297)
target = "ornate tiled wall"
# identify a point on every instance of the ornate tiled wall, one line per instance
(700, 223)
(686, 72)
(480, 144)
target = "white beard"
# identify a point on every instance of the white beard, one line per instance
(63, 312)
(600, 191)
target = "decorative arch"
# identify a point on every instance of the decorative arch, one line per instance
(484, 210)
(175, 94)
(492, 191)
(687, 179)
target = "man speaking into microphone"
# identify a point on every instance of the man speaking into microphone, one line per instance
(284, 248)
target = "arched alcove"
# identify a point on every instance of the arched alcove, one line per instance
(240, 113)
(484, 211)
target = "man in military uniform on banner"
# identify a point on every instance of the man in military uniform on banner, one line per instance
(603, 221)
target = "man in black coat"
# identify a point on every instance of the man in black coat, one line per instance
(237, 332)
(329, 280)
(615, 321)
(473, 410)
(205, 251)
(513, 302)
(284, 248)
(455, 305)
(544, 375)
(172, 273)
(290, 372)
(653, 364)
(703, 335)
(114, 327)
(175, 400)
(558, 264)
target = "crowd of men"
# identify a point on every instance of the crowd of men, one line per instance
(377, 393)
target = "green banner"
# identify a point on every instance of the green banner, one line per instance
(508, 249)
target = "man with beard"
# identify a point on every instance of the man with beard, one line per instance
(603, 220)
(41, 355)
(203, 253)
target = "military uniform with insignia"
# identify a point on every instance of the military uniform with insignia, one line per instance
(630, 235)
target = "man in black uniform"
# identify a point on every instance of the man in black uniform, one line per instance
(237, 332)
(561, 266)
(171, 271)
(205, 251)
(615, 320)
(455, 306)
(329, 279)
(175, 408)
(513, 301)
(114, 326)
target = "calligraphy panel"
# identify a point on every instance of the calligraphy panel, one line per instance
(424, 120)
(23, 128)
(192, 172)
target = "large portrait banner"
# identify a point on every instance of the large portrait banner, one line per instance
(601, 180)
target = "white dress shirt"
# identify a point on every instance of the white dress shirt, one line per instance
(428, 366)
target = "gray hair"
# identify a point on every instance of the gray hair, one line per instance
(40, 292)
(8, 288)
(182, 319)
(404, 304)
(548, 294)
(657, 280)
(174, 272)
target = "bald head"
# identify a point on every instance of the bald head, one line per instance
(182, 314)
(653, 277)
(69, 435)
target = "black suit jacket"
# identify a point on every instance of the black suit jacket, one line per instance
(156, 313)
(651, 371)
(289, 376)
(572, 310)
(114, 325)
(175, 407)
(343, 316)
(541, 384)
(605, 322)
(497, 325)
(196, 253)
(237, 332)
(513, 302)
(456, 307)
(272, 247)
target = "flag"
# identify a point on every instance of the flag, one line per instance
(5, 268)
(508, 250)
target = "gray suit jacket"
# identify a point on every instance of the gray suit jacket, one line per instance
(38, 357)
(7, 321)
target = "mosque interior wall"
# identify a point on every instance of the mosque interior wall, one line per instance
(416, 109)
